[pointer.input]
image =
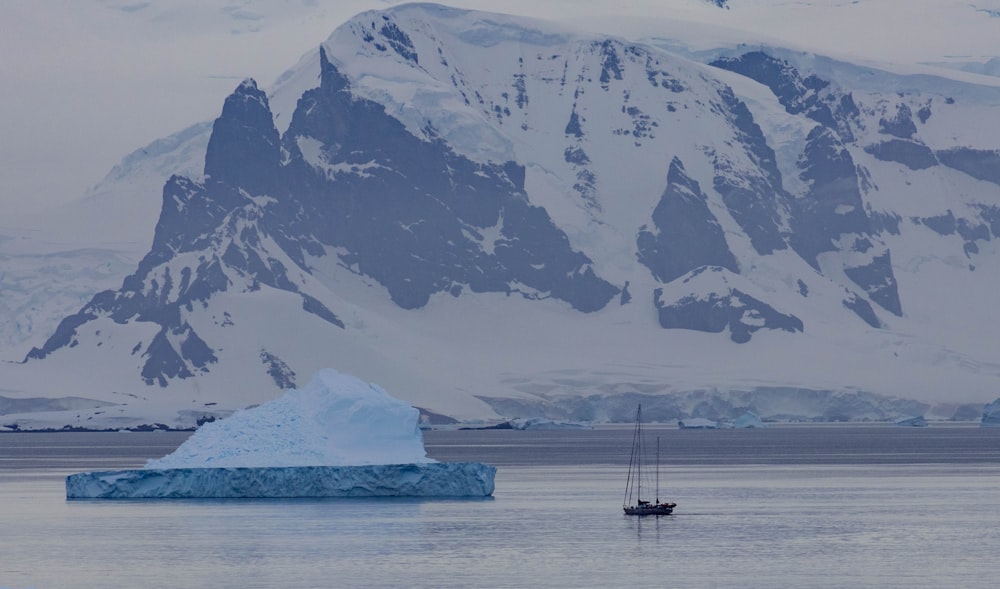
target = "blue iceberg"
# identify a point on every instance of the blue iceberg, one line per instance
(991, 415)
(336, 437)
(748, 420)
(435, 479)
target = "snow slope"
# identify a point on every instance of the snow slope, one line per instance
(496, 88)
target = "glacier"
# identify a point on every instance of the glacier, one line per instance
(455, 479)
(336, 437)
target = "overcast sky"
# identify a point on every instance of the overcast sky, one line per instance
(85, 82)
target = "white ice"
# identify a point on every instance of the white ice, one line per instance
(542, 423)
(336, 437)
(697, 423)
(747, 420)
(335, 420)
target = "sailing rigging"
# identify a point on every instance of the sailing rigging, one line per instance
(633, 484)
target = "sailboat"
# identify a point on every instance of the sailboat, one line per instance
(633, 485)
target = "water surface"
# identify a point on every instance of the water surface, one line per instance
(788, 506)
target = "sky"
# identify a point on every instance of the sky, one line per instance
(85, 82)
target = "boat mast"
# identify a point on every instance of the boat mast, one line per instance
(635, 463)
(638, 437)
(657, 470)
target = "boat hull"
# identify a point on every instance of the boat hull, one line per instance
(657, 509)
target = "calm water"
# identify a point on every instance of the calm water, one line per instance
(810, 506)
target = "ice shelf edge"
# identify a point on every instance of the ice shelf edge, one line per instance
(434, 479)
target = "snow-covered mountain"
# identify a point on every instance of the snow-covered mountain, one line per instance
(492, 216)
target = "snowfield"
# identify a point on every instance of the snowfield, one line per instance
(803, 295)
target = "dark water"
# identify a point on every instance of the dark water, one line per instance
(781, 444)
(810, 506)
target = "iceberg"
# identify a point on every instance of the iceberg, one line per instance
(532, 423)
(450, 479)
(918, 421)
(745, 421)
(335, 420)
(991, 415)
(748, 420)
(542, 423)
(697, 423)
(336, 437)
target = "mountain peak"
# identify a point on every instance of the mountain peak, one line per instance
(245, 148)
(248, 85)
(456, 198)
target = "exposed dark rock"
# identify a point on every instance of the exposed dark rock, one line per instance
(981, 164)
(406, 211)
(685, 235)
(278, 370)
(573, 126)
(924, 113)
(991, 216)
(611, 67)
(912, 154)
(833, 208)
(407, 221)
(626, 296)
(972, 231)
(883, 222)
(862, 309)
(942, 224)
(729, 308)
(313, 305)
(878, 281)
(753, 198)
(245, 151)
(810, 95)
(901, 125)
(399, 41)
(833, 205)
